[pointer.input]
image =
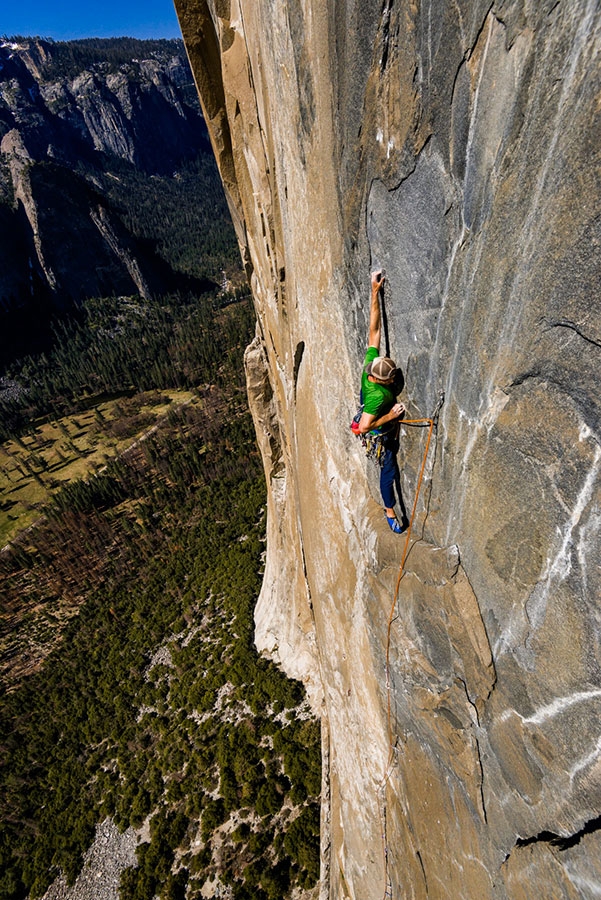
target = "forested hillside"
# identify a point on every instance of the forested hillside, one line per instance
(132, 522)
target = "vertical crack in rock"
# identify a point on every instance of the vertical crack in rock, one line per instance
(385, 28)
(425, 877)
(298, 358)
(477, 743)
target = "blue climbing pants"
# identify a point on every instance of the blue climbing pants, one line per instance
(389, 473)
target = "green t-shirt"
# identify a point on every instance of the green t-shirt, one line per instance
(378, 399)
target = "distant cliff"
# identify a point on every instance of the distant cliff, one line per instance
(96, 137)
(457, 145)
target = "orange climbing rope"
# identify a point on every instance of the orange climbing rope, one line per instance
(391, 739)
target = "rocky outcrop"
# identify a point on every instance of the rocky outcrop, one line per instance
(71, 135)
(103, 863)
(456, 145)
(140, 110)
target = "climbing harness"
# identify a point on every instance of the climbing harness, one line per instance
(372, 441)
(392, 739)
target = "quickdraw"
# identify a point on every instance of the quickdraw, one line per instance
(372, 442)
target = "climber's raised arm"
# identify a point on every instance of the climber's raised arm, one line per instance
(375, 320)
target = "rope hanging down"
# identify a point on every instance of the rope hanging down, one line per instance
(431, 423)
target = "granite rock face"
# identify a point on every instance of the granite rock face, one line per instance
(458, 146)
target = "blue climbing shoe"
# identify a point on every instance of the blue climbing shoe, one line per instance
(394, 524)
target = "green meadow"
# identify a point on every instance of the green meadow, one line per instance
(54, 452)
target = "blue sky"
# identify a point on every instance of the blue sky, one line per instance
(69, 19)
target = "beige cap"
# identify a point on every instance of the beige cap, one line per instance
(381, 368)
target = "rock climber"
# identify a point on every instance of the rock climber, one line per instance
(381, 412)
